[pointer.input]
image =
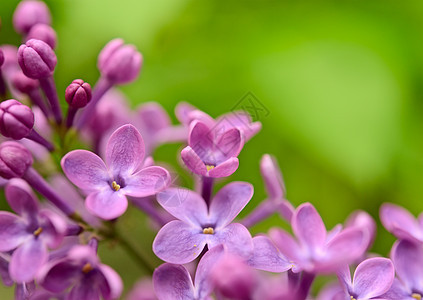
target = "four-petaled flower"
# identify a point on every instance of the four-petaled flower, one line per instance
(124, 175)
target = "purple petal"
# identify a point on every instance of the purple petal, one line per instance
(363, 220)
(84, 290)
(228, 144)
(146, 182)
(203, 284)
(272, 177)
(185, 205)
(309, 227)
(201, 140)
(408, 260)
(286, 244)
(21, 199)
(344, 277)
(399, 222)
(54, 228)
(193, 161)
(58, 276)
(229, 201)
(373, 277)
(267, 257)
(240, 120)
(27, 260)
(85, 169)
(235, 237)
(182, 112)
(225, 169)
(398, 291)
(125, 150)
(107, 204)
(178, 242)
(173, 282)
(112, 285)
(330, 291)
(153, 116)
(12, 231)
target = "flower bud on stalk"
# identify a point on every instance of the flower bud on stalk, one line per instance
(16, 162)
(17, 122)
(118, 63)
(29, 87)
(44, 33)
(2, 83)
(29, 13)
(37, 61)
(77, 95)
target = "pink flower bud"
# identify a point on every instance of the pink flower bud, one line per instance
(15, 160)
(78, 93)
(119, 62)
(29, 13)
(23, 83)
(16, 119)
(44, 33)
(37, 59)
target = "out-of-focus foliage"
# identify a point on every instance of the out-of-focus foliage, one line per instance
(341, 80)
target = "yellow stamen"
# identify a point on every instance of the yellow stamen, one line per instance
(352, 298)
(208, 230)
(87, 268)
(115, 186)
(416, 296)
(209, 167)
(38, 231)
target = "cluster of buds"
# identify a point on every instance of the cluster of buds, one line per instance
(48, 246)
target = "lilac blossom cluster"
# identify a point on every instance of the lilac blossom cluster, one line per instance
(49, 239)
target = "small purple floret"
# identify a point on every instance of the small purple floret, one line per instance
(37, 59)
(16, 119)
(44, 33)
(29, 13)
(78, 93)
(15, 160)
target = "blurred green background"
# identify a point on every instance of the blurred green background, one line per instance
(342, 81)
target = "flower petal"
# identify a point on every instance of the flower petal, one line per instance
(85, 289)
(12, 231)
(400, 222)
(107, 204)
(125, 150)
(408, 260)
(225, 169)
(112, 286)
(267, 257)
(272, 177)
(173, 282)
(58, 276)
(27, 260)
(21, 199)
(182, 112)
(193, 161)
(178, 242)
(201, 140)
(309, 227)
(54, 228)
(228, 144)
(229, 201)
(153, 117)
(85, 169)
(203, 284)
(185, 205)
(286, 244)
(373, 277)
(146, 182)
(235, 237)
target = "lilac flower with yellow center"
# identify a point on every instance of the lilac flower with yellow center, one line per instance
(108, 186)
(30, 233)
(181, 241)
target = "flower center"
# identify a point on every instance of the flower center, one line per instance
(208, 230)
(352, 298)
(115, 186)
(416, 296)
(38, 231)
(87, 268)
(209, 167)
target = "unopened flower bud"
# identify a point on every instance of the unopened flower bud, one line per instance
(44, 33)
(78, 93)
(15, 160)
(16, 119)
(23, 83)
(29, 13)
(37, 59)
(119, 62)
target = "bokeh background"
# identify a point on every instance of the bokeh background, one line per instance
(341, 81)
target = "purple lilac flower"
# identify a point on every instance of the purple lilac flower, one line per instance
(174, 281)
(181, 241)
(372, 278)
(82, 272)
(362, 219)
(408, 262)
(107, 186)
(29, 13)
(314, 250)
(77, 95)
(401, 223)
(30, 232)
(210, 152)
